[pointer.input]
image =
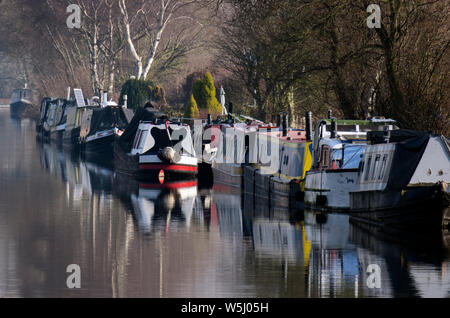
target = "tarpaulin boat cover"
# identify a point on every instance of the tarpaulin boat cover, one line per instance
(107, 118)
(142, 114)
(406, 158)
(446, 143)
(378, 137)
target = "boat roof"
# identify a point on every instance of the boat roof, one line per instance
(369, 122)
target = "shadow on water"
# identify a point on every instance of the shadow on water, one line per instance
(135, 239)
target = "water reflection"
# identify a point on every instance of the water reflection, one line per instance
(180, 240)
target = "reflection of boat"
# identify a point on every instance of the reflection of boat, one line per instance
(337, 154)
(411, 263)
(84, 177)
(152, 147)
(22, 101)
(228, 206)
(164, 207)
(403, 179)
(277, 238)
(333, 268)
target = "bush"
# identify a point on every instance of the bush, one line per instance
(191, 108)
(198, 90)
(204, 93)
(141, 91)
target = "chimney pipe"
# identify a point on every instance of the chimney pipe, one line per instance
(330, 113)
(308, 124)
(105, 99)
(285, 125)
(209, 119)
(334, 128)
(387, 135)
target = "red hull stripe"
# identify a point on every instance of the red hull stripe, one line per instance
(177, 185)
(151, 166)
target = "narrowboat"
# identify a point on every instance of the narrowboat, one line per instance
(280, 179)
(337, 151)
(22, 102)
(43, 115)
(53, 118)
(72, 132)
(232, 151)
(99, 128)
(154, 148)
(403, 178)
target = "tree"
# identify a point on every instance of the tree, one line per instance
(191, 110)
(150, 21)
(212, 104)
(204, 92)
(138, 93)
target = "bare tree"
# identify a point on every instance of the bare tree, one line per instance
(150, 19)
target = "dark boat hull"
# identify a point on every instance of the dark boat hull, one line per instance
(99, 150)
(18, 110)
(416, 207)
(71, 139)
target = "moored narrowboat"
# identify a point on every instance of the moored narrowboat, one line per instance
(22, 102)
(100, 127)
(403, 178)
(154, 148)
(54, 117)
(338, 148)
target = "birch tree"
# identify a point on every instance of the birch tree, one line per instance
(151, 19)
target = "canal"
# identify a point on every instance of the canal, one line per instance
(136, 240)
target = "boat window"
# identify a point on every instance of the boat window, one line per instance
(361, 167)
(375, 167)
(369, 163)
(137, 140)
(383, 167)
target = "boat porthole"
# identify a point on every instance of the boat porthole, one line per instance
(429, 172)
(441, 173)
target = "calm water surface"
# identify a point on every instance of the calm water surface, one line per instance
(132, 240)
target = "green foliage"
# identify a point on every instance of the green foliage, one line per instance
(141, 91)
(138, 92)
(204, 93)
(199, 93)
(191, 108)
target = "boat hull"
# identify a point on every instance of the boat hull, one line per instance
(171, 172)
(419, 206)
(150, 171)
(18, 109)
(99, 150)
(229, 174)
(329, 190)
(278, 192)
